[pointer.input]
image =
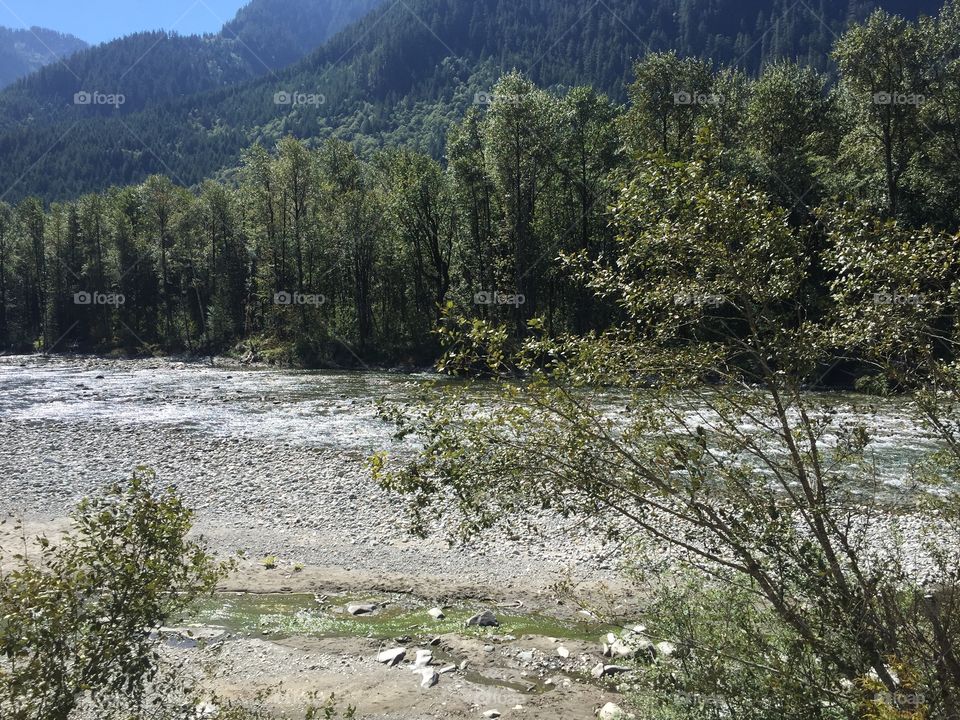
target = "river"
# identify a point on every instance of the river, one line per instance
(331, 409)
(274, 460)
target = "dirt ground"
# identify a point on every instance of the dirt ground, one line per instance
(348, 667)
(529, 676)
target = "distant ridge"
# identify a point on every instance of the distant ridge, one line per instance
(401, 74)
(152, 67)
(25, 51)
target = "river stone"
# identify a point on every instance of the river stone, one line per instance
(424, 658)
(525, 656)
(602, 670)
(447, 669)
(610, 711)
(563, 652)
(639, 647)
(667, 649)
(436, 613)
(619, 649)
(492, 714)
(206, 710)
(392, 657)
(484, 619)
(361, 608)
(429, 677)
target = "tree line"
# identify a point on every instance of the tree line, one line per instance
(324, 255)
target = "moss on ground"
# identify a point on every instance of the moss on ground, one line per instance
(302, 614)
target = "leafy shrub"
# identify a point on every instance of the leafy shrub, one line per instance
(80, 617)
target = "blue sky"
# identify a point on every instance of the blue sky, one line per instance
(99, 20)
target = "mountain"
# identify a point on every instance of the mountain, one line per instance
(402, 74)
(305, 25)
(24, 51)
(126, 75)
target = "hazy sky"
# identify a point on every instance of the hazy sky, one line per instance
(99, 20)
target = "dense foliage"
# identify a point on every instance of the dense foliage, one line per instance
(401, 75)
(800, 575)
(81, 614)
(277, 33)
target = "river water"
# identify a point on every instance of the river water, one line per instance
(312, 408)
(327, 409)
(274, 462)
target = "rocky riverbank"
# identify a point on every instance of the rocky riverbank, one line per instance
(275, 465)
(307, 505)
(303, 497)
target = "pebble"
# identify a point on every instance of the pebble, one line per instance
(424, 658)
(611, 711)
(483, 619)
(429, 677)
(392, 657)
(361, 609)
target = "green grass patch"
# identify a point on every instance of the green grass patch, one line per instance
(301, 614)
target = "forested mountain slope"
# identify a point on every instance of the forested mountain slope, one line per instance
(280, 32)
(403, 73)
(24, 51)
(147, 68)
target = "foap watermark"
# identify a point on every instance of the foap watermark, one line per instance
(487, 697)
(688, 98)
(697, 300)
(895, 298)
(887, 98)
(486, 297)
(489, 98)
(901, 700)
(98, 298)
(297, 298)
(655, 702)
(692, 699)
(85, 97)
(298, 99)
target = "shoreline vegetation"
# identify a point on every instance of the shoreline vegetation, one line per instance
(315, 255)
